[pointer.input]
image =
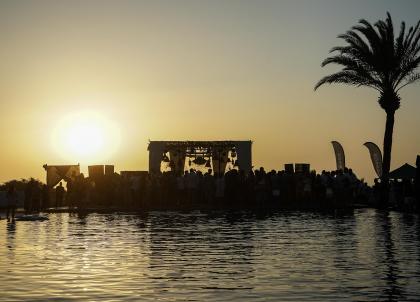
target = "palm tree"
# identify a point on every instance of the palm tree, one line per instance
(374, 58)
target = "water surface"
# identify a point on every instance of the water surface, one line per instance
(363, 255)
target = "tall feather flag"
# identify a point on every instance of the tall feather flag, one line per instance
(376, 157)
(340, 159)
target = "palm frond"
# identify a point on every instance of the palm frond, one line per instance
(410, 80)
(356, 66)
(399, 41)
(345, 77)
(374, 57)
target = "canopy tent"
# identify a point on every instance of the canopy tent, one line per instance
(57, 173)
(406, 171)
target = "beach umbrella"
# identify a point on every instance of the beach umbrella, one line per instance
(406, 171)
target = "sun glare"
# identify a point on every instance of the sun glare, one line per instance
(85, 139)
(86, 136)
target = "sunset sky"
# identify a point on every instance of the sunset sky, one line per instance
(188, 70)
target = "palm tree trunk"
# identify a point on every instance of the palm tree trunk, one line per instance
(389, 128)
(386, 163)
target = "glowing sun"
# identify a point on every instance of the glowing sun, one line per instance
(85, 139)
(86, 136)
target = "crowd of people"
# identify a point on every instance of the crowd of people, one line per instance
(235, 189)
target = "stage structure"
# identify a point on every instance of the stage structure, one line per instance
(215, 155)
(57, 173)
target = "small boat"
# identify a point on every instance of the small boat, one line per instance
(31, 218)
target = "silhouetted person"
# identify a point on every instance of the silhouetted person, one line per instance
(209, 188)
(45, 200)
(378, 193)
(219, 189)
(417, 182)
(12, 200)
(192, 181)
(80, 191)
(180, 187)
(36, 197)
(59, 195)
(27, 203)
(70, 198)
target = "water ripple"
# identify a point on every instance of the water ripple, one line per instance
(365, 255)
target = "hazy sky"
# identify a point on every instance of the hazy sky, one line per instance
(173, 70)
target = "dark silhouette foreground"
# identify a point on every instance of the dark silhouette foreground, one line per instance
(257, 190)
(375, 58)
(195, 190)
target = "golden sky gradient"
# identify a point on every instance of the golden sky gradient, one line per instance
(174, 70)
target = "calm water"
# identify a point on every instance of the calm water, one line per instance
(361, 256)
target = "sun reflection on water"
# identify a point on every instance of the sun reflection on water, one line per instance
(365, 255)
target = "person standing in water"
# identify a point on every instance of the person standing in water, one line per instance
(59, 195)
(12, 199)
(417, 182)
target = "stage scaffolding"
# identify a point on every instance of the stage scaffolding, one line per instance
(219, 153)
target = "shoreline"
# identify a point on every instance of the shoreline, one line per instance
(121, 210)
